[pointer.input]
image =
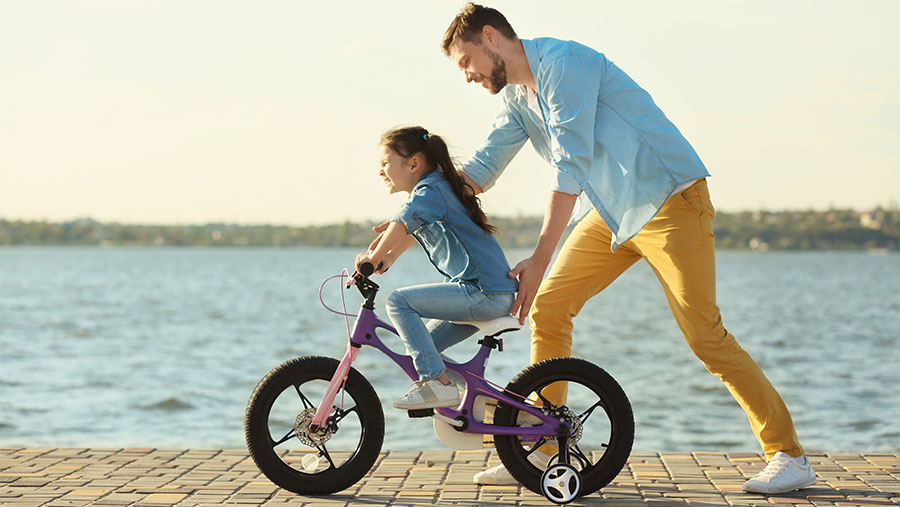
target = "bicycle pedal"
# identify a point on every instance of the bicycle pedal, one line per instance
(422, 412)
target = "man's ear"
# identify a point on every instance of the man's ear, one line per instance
(490, 36)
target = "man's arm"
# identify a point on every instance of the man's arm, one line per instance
(503, 142)
(570, 87)
(475, 186)
(531, 270)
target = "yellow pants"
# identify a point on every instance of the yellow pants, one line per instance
(678, 244)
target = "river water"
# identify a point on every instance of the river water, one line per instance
(161, 347)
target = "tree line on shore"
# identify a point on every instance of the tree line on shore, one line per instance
(833, 229)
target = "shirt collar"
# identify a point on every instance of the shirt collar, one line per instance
(531, 54)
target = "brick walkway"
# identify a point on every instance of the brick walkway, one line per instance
(211, 477)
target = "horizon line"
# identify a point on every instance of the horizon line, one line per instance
(892, 207)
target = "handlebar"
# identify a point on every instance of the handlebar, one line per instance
(366, 287)
(365, 271)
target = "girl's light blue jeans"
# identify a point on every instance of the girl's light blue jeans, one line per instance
(443, 302)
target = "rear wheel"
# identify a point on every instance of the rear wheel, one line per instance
(597, 408)
(288, 452)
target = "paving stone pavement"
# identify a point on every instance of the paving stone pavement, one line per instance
(157, 477)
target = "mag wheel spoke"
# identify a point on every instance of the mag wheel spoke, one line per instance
(536, 446)
(341, 414)
(327, 455)
(289, 435)
(304, 399)
(587, 413)
(575, 450)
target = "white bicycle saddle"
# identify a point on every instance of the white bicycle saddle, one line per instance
(496, 326)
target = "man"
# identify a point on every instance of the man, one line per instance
(605, 138)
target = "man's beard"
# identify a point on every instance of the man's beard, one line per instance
(497, 79)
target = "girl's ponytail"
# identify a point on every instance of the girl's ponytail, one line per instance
(408, 141)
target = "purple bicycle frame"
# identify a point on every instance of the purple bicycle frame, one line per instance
(472, 371)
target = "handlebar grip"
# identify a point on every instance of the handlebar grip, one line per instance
(366, 269)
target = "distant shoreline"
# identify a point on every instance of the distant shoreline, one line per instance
(877, 231)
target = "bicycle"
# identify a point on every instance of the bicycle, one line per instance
(304, 403)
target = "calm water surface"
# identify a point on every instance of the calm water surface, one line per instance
(162, 347)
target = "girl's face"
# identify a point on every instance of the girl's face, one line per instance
(399, 174)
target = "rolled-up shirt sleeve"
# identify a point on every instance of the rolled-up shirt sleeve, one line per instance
(502, 144)
(563, 182)
(570, 87)
(424, 206)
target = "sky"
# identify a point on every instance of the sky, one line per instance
(170, 112)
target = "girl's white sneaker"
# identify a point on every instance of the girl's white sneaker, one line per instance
(782, 474)
(429, 394)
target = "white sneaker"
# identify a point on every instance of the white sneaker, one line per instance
(429, 394)
(782, 474)
(500, 476)
(495, 476)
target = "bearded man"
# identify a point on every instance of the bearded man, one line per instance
(604, 138)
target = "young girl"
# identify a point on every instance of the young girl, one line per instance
(444, 216)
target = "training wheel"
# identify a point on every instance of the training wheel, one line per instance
(561, 483)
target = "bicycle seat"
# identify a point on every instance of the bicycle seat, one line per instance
(496, 326)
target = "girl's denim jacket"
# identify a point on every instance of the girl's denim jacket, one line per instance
(460, 249)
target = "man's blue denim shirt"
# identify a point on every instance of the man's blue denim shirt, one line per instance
(460, 249)
(601, 132)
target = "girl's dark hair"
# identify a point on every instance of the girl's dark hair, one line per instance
(408, 141)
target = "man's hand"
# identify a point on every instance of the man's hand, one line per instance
(531, 270)
(530, 273)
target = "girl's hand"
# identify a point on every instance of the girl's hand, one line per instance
(388, 260)
(363, 258)
(380, 228)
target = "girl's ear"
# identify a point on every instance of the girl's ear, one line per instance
(416, 163)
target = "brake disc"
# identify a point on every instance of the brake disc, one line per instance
(577, 428)
(309, 437)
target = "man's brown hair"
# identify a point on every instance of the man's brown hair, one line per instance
(467, 25)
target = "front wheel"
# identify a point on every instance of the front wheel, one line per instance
(598, 411)
(293, 456)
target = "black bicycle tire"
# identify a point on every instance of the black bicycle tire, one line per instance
(256, 431)
(615, 400)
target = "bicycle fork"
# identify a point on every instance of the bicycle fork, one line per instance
(337, 382)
